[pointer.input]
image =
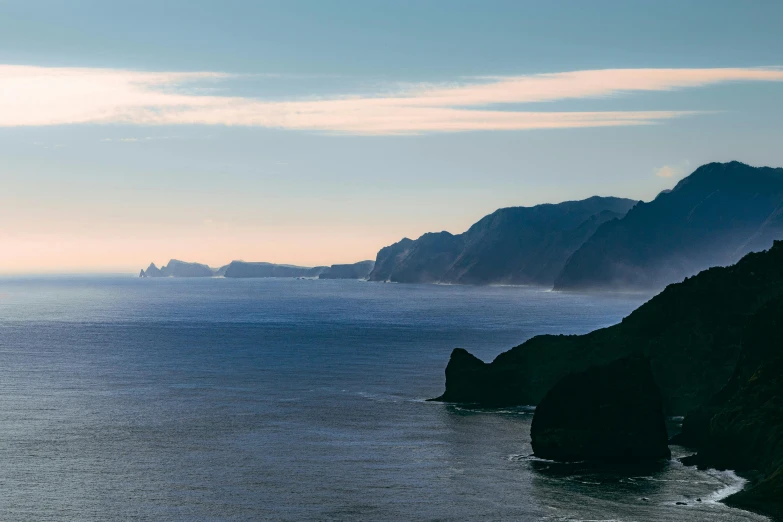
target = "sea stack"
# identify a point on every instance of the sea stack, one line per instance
(466, 380)
(607, 413)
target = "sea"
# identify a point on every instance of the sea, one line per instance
(294, 399)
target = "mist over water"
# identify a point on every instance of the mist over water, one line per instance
(284, 399)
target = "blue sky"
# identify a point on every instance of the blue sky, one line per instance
(318, 132)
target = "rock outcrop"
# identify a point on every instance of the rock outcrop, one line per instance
(692, 332)
(360, 270)
(713, 217)
(518, 245)
(466, 381)
(605, 413)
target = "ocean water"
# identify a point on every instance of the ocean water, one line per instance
(284, 399)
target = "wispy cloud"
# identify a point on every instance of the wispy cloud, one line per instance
(673, 171)
(665, 172)
(31, 96)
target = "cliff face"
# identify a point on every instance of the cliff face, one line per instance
(518, 245)
(741, 428)
(388, 258)
(606, 413)
(242, 269)
(360, 270)
(713, 217)
(691, 332)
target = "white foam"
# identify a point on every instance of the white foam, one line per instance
(733, 483)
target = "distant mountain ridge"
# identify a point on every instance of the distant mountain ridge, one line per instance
(515, 245)
(713, 217)
(719, 213)
(243, 269)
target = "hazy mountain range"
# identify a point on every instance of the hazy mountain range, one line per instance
(517, 245)
(713, 217)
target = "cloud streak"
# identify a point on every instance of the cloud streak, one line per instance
(38, 96)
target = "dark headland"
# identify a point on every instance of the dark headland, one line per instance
(692, 333)
(714, 343)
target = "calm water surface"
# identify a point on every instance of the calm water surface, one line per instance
(285, 399)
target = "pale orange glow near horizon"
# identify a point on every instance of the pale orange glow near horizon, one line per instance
(74, 254)
(102, 238)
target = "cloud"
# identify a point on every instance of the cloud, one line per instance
(35, 96)
(673, 171)
(665, 172)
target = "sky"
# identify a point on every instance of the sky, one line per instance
(317, 132)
